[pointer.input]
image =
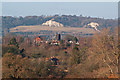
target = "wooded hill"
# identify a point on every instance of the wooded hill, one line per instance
(66, 20)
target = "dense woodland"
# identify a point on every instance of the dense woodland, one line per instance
(66, 20)
(94, 57)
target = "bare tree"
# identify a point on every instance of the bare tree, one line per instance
(105, 44)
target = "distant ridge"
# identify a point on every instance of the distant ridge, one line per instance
(66, 20)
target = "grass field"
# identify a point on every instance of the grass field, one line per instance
(38, 28)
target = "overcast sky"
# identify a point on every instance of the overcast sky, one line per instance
(93, 9)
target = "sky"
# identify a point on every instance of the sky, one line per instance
(107, 10)
(59, 0)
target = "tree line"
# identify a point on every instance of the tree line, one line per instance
(66, 20)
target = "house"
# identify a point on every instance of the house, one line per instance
(77, 43)
(55, 42)
(38, 40)
(70, 41)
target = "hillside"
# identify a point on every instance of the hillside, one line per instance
(66, 20)
(38, 28)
